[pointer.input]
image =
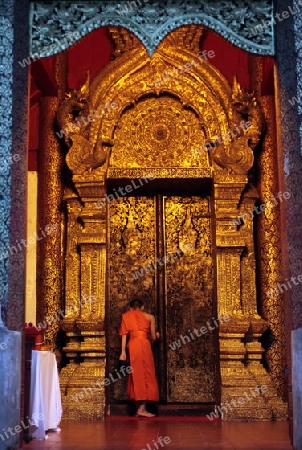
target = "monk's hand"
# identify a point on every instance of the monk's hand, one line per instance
(157, 335)
(123, 356)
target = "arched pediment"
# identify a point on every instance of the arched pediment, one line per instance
(174, 109)
(135, 75)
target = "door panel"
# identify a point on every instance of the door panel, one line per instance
(161, 251)
(189, 299)
(132, 248)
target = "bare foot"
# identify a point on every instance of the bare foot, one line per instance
(145, 414)
(142, 412)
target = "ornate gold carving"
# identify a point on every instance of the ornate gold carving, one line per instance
(72, 282)
(159, 132)
(248, 260)
(85, 299)
(72, 113)
(72, 109)
(236, 152)
(82, 396)
(156, 172)
(270, 243)
(228, 268)
(202, 88)
(246, 106)
(93, 264)
(158, 128)
(123, 39)
(236, 157)
(240, 351)
(185, 37)
(81, 156)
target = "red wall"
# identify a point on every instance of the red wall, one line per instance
(92, 53)
(229, 60)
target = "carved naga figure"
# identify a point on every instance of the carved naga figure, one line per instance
(72, 119)
(237, 155)
(246, 107)
(74, 105)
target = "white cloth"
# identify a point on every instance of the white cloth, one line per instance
(45, 397)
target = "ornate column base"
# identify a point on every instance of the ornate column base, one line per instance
(82, 398)
(247, 390)
(249, 395)
(82, 380)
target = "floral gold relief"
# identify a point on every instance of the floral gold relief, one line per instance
(165, 130)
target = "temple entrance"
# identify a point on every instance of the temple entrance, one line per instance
(161, 250)
(173, 236)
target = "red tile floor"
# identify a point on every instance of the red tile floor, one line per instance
(142, 434)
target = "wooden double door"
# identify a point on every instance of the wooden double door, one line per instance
(161, 249)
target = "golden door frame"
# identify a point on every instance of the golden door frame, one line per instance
(196, 106)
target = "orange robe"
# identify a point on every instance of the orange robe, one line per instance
(142, 384)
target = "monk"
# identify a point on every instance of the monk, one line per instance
(142, 384)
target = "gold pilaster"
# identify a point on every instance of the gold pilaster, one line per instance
(240, 350)
(269, 238)
(50, 193)
(270, 241)
(50, 196)
(82, 379)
